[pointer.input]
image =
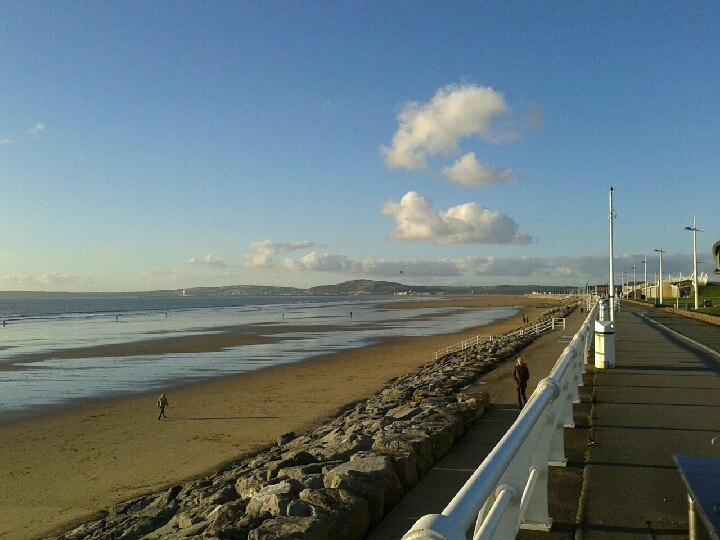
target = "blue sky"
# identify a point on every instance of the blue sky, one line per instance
(162, 145)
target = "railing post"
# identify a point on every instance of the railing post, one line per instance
(502, 518)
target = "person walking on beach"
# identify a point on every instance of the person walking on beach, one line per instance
(521, 374)
(162, 403)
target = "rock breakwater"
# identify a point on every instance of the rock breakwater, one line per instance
(335, 482)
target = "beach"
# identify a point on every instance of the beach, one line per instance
(61, 466)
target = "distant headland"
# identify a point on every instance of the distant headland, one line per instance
(346, 288)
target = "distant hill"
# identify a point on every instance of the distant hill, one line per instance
(346, 288)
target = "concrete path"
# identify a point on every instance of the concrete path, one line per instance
(661, 399)
(441, 483)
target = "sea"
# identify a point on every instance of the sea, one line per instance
(34, 329)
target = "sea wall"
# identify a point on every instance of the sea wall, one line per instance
(335, 482)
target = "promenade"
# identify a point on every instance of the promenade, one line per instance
(661, 399)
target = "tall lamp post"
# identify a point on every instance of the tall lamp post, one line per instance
(694, 230)
(660, 251)
(634, 281)
(644, 261)
(611, 287)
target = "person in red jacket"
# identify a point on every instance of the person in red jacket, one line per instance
(521, 374)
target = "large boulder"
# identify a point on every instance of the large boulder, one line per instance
(274, 499)
(347, 513)
(292, 528)
(370, 476)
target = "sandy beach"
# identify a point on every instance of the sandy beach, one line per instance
(62, 466)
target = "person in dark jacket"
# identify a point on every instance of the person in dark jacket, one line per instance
(521, 374)
(162, 403)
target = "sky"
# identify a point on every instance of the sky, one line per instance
(167, 145)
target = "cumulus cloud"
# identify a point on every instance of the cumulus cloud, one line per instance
(321, 262)
(467, 172)
(469, 223)
(37, 129)
(207, 261)
(263, 252)
(454, 112)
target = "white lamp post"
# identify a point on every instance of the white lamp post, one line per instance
(694, 230)
(660, 251)
(611, 291)
(644, 261)
(634, 282)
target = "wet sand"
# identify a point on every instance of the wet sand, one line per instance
(62, 466)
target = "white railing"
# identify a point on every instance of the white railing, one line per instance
(509, 489)
(461, 346)
(536, 329)
(539, 328)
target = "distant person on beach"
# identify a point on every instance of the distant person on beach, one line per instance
(521, 374)
(162, 403)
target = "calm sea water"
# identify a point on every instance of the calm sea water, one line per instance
(301, 327)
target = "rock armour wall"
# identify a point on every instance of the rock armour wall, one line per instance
(335, 482)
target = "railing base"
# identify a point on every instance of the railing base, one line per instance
(537, 526)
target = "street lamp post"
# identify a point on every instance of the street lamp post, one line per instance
(660, 251)
(644, 261)
(634, 281)
(611, 287)
(694, 230)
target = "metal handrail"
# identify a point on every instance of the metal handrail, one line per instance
(508, 491)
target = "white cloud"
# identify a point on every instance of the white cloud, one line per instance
(263, 252)
(207, 261)
(321, 262)
(467, 172)
(36, 130)
(455, 112)
(469, 223)
(46, 280)
(439, 268)
(325, 262)
(6, 141)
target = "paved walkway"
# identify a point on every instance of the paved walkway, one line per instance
(661, 399)
(441, 483)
